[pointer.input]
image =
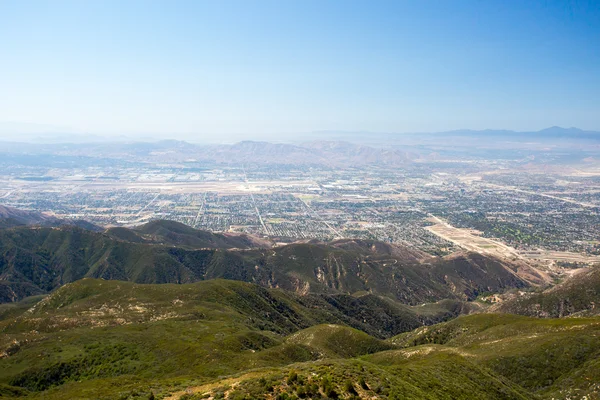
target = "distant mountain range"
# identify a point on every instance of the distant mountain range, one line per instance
(49, 134)
(330, 149)
(328, 153)
(333, 153)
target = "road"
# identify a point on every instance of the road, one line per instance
(200, 210)
(254, 202)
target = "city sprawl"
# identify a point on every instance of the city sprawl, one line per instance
(438, 206)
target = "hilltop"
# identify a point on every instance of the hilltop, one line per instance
(177, 234)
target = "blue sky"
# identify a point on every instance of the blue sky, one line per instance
(193, 68)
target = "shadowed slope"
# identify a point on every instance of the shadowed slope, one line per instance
(38, 260)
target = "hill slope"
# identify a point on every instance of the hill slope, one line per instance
(97, 332)
(177, 234)
(555, 358)
(11, 217)
(578, 295)
(285, 311)
(38, 260)
(225, 339)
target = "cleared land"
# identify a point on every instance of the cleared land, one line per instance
(467, 239)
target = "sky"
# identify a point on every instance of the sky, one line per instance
(190, 69)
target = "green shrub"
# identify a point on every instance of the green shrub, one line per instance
(292, 377)
(362, 383)
(349, 388)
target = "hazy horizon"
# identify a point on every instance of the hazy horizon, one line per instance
(23, 132)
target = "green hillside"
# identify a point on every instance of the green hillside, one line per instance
(35, 260)
(93, 333)
(335, 341)
(227, 339)
(579, 295)
(441, 377)
(556, 358)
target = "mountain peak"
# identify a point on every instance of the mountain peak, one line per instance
(560, 129)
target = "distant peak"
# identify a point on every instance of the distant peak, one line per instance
(561, 129)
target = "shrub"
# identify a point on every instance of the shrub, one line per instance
(301, 392)
(362, 383)
(349, 388)
(292, 377)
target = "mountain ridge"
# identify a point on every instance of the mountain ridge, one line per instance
(35, 260)
(181, 235)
